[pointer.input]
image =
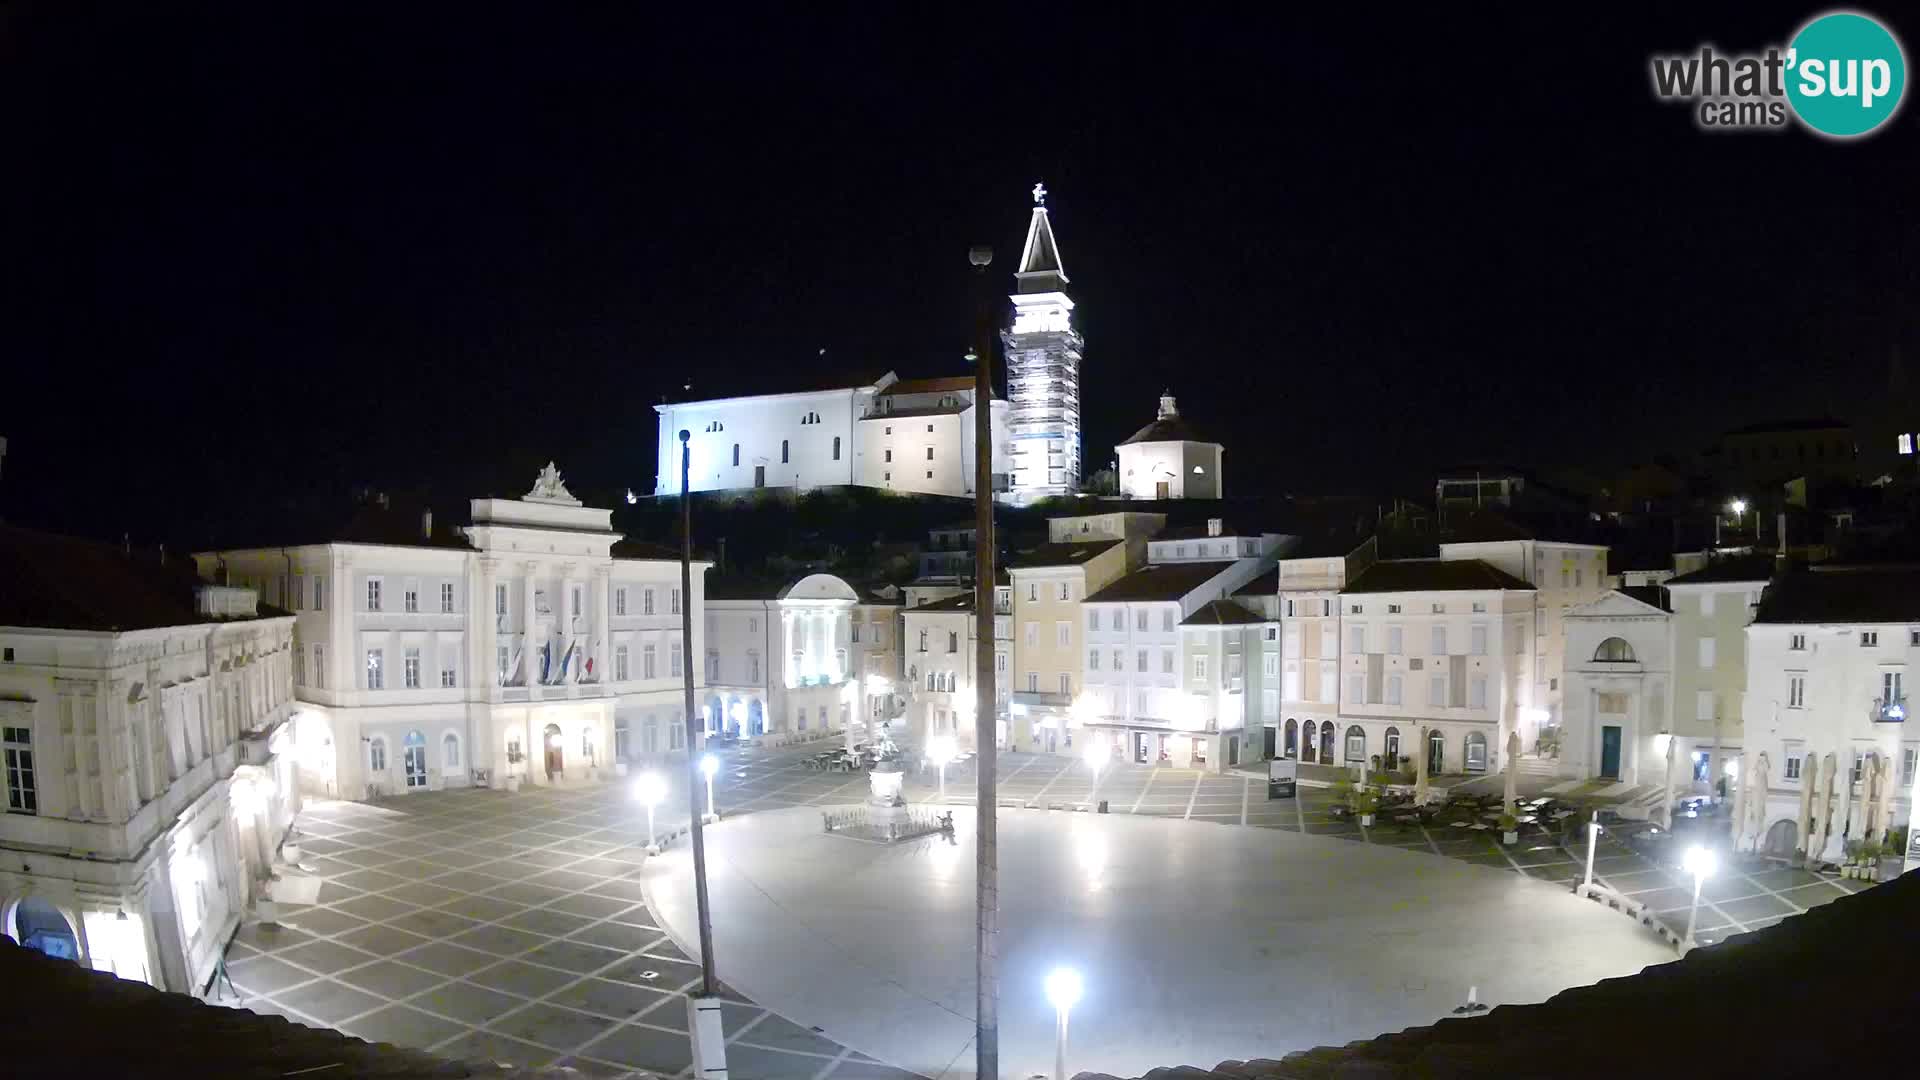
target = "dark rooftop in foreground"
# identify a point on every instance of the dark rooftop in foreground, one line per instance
(1222, 613)
(1844, 594)
(1738, 568)
(1160, 581)
(1267, 584)
(1432, 575)
(1799, 998)
(57, 582)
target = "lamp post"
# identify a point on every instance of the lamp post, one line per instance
(1097, 752)
(703, 1009)
(1739, 508)
(708, 766)
(940, 750)
(1699, 862)
(986, 877)
(650, 788)
(1063, 992)
(1593, 838)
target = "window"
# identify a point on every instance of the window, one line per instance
(1706, 652)
(1357, 639)
(1063, 591)
(1033, 591)
(783, 451)
(319, 592)
(1479, 607)
(1792, 767)
(1480, 640)
(1890, 688)
(836, 448)
(319, 667)
(575, 607)
(1393, 690)
(1290, 683)
(1706, 602)
(1393, 609)
(1093, 619)
(1179, 551)
(646, 601)
(1140, 619)
(23, 793)
(1356, 689)
(1166, 662)
(1200, 666)
(1439, 609)
(1140, 661)
(1033, 682)
(1119, 660)
(1329, 641)
(1289, 609)
(410, 673)
(953, 640)
(499, 599)
(1166, 620)
(673, 661)
(1563, 577)
(1119, 619)
(674, 602)
(1703, 705)
(736, 453)
(449, 671)
(889, 456)
(1907, 761)
(1356, 743)
(1796, 691)
(1354, 609)
(1000, 663)
(620, 600)
(1439, 641)
(1326, 608)
(1032, 631)
(1869, 639)
(299, 666)
(923, 640)
(1093, 659)
(446, 598)
(1614, 651)
(648, 667)
(1577, 574)
(410, 597)
(853, 631)
(1393, 640)
(1066, 684)
(376, 677)
(1436, 691)
(377, 755)
(373, 594)
(1269, 665)
(1063, 633)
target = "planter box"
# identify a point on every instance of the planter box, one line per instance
(1366, 821)
(1510, 837)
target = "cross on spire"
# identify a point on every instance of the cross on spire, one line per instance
(1040, 194)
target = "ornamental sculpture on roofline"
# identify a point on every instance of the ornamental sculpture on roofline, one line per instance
(549, 488)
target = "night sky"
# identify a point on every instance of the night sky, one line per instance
(252, 256)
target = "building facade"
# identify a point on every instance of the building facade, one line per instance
(149, 774)
(1712, 607)
(1619, 690)
(893, 434)
(1828, 758)
(1168, 460)
(1044, 354)
(529, 647)
(1307, 582)
(784, 659)
(1436, 654)
(942, 642)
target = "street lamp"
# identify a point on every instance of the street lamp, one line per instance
(940, 750)
(1698, 861)
(1063, 992)
(1593, 838)
(708, 766)
(650, 788)
(1739, 508)
(1097, 752)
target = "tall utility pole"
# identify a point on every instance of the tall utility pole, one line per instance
(986, 1025)
(703, 1012)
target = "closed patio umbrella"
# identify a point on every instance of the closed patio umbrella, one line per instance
(1420, 767)
(1737, 820)
(1884, 819)
(1826, 810)
(1809, 779)
(1666, 801)
(1513, 777)
(1757, 799)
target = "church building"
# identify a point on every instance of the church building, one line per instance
(1167, 460)
(1043, 353)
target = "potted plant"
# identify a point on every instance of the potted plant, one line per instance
(1509, 829)
(1364, 801)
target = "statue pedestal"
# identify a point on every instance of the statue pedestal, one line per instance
(886, 808)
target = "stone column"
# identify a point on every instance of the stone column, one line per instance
(529, 659)
(485, 625)
(600, 603)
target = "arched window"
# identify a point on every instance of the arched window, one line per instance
(1614, 651)
(1309, 746)
(783, 451)
(620, 738)
(923, 641)
(736, 453)
(1293, 739)
(1392, 758)
(1476, 752)
(377, 755)
(450, 751)
(836, 448)
(1356, 743)
(1436, 751)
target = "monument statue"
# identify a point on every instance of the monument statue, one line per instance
(548, 487)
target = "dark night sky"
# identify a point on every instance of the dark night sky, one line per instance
(250, 255)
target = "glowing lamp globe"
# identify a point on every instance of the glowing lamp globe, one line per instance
(1699, 862)
(1063, 988)
(709, 765)
(649, 789)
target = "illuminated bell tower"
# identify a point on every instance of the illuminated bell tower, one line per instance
(1043, 369)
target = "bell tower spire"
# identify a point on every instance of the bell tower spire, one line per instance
(1043, 368)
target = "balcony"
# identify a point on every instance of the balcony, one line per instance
(1042, 699)
(1889, 710)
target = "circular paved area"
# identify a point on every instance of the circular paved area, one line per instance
(1198, 944)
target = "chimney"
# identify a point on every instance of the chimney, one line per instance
(426, 524)
(1214, 525)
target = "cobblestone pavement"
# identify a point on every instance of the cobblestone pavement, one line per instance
(510, 927)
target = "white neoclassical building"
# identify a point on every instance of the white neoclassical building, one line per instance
(1829, 755)
(1619, 690)
(891, 434)
(808, 656)
(148, 774)
(532, 646)
(1168, 460)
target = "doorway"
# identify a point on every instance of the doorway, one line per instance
(414, 755)
(1309, 749)
(1270, 743)
(1609, 752)
(1436, 752)
(1160, 489)
(1233, 748)
(759, 476)
(1326, 743)
(1142, 747)
(40, 926)
(556, 759)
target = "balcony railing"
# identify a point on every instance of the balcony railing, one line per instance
(1044, 698)
(1890, 710)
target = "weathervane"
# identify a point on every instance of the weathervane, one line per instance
(1040, 194)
